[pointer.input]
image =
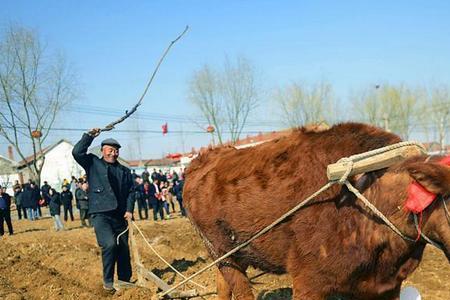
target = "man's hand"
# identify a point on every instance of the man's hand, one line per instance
(94, 132)
(128, 216)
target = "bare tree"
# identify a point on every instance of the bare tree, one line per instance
(239, 92)
(226, 97)
(34, 86)
(389, 106)
(205, 94)
(301, 104)
(436, 111)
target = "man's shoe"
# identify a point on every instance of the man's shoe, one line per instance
(108, 288)
(121, 284)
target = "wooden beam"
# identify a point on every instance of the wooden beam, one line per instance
(337, 170)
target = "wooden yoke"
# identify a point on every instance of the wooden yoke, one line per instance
(379, 161)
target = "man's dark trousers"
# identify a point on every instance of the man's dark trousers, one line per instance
(107, 227)
(5, 216)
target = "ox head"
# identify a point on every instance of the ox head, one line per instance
(434, 177)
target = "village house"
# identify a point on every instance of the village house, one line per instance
(58, 164)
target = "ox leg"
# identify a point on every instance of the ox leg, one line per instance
(237, 282)
(223, 289)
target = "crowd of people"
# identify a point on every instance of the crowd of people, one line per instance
(156, 191)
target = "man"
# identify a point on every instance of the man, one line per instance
(84, 204)
(66, 200)
(139, 198)
(178, 191)
(154, 199)
(5, 212)
(110, 204)
(45, 188)
(30, 200)
(145, 175)
(18, 200)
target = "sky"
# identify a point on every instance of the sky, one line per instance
(114, 46)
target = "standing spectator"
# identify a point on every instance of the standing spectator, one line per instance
(171, 196)
(145, 175)
(30, 201)
(154, 176)
(84, 205)
(174, 176)
(164, 198)
(178, 190)
(66, 184)
(73, 187)
(5, 212)
(55, 209)
(154, 196)
(140, 199)
(134, 175)
(110, 204)
(18, 200)
(161, 176)
(45, 188)
(78, 195)
(66, 200)
(37, 198)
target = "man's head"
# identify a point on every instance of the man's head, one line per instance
(45, 182)
(1, 190)
(110, 150)
(64, 188)
(85, 186)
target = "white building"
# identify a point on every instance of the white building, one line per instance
(58, 165)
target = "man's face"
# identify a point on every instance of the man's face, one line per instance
(85, 186)
(1, 190)
(110, 153)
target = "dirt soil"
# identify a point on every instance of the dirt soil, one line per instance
(39, 263)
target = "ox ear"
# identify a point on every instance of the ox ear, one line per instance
(432, 176)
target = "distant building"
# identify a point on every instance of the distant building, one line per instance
(58, 164)
(164, 164)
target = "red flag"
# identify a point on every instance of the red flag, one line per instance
(165, 128)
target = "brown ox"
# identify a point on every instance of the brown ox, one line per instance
(331, 247)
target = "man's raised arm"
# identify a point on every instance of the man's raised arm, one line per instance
(79, 151)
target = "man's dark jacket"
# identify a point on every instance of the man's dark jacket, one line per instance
(152, 200)
(101, 195)
(30, 197)
(66, 198)
(55, 204)
(7, 198)
(83, 199)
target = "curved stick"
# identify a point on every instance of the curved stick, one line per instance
(128, 113)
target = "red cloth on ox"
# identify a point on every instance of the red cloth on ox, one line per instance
(419, 197)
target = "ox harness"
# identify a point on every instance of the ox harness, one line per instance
(419, 198)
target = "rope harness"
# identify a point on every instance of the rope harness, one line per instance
(349, 162)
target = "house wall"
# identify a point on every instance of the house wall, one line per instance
(59, 164)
